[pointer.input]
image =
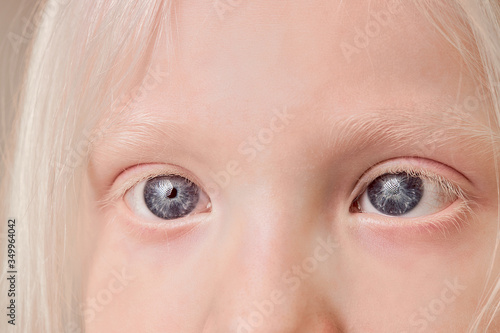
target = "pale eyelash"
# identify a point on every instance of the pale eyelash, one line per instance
(450, 189)
(115, 194)
(463, 216)
(463, 213)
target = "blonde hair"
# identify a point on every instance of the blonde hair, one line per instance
(69, 69)
(478, 22)
(82, 59)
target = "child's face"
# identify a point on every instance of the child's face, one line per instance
(282, 114)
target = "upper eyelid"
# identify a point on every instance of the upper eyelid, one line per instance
(408, 165)
(155, 170)
(119, 188)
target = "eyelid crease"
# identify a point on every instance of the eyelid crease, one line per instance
(115, 193)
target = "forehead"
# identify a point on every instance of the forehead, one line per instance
(229, 64)
(227, 69)
(275, 51)
(340, 56)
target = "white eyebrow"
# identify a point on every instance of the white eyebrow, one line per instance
(134, 130)
(393, 128)
(404, 127)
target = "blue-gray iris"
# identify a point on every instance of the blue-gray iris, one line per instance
(171, 197)
(395, 194)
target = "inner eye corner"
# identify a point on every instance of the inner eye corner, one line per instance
(355, 206)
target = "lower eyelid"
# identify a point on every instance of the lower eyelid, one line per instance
(163, 232)
(398, 240)
(452, 219)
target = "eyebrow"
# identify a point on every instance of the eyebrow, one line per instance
(134, 130)
(424, 130)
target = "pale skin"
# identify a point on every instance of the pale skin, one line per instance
(255, 110)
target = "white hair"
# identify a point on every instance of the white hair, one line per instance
(82, 57)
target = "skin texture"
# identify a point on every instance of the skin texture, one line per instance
(264, 109)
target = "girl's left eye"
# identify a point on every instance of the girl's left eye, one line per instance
(404, 195)
(166, 197)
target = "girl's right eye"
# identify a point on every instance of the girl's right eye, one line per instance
(167, 197)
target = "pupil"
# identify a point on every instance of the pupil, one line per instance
(172, 194)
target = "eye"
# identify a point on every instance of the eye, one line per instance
(405, 194)
(167, 197)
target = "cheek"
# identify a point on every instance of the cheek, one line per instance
(423, 280)
(140, 283)
(456, 238)
(111, 284)
(136, 282)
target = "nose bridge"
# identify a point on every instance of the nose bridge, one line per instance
(274, 259)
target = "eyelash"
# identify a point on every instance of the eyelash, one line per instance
(450, 189)
(128, 185)
(439, 222)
